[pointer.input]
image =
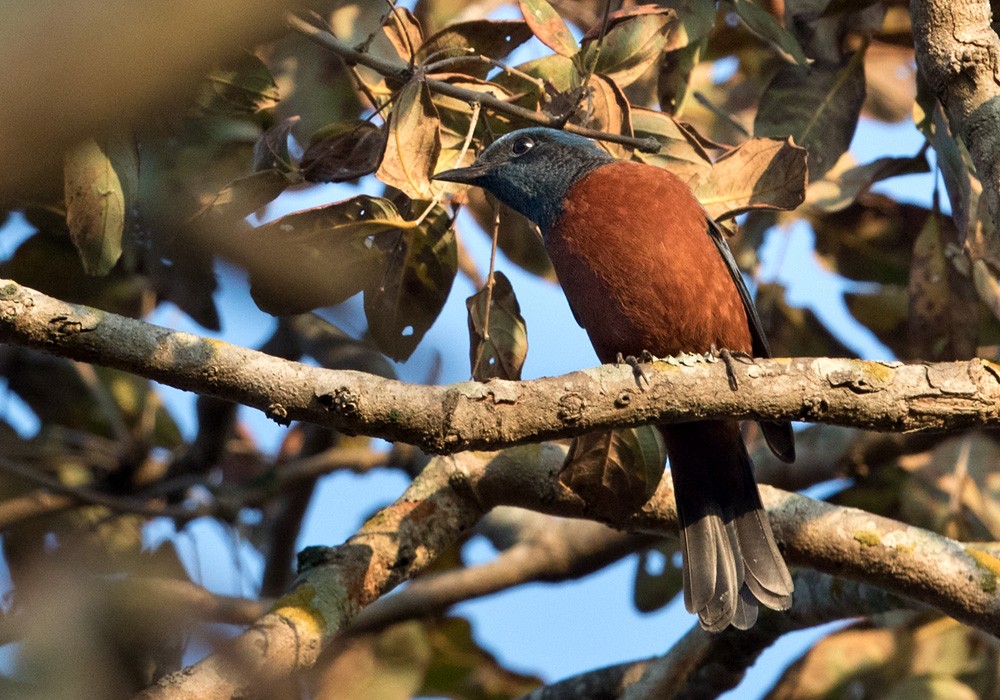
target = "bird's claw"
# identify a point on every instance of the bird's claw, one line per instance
(636, 364)
(729, 358)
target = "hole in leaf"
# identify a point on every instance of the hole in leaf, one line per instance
(677, 560)
(408, 331)
(655, 562)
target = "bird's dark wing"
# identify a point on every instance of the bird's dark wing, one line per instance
(779, 436)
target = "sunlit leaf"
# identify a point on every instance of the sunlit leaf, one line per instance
(271, 150)
(606, 108)
(414, 142)
(404, 300)
(494, 39)
(548, 26)
(818, 106)
(242, 87)
(759, 174)
(617, 471)
(499, 344)
(318, 257)
(403, 31)
(631, 46)
(101, 180)
(763, 24)
(343, 152)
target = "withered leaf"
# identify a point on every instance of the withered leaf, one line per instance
(404, 300)
(343, 152)
(497, 346)
(817, 105)
(271, 150)
(759, 174)
(548, 26)
(403, 31)
(615, 472)
(944, 318)
(481, 37)
(678, 153)
(318, 257)
(413, 144)
(606, 108)
(101, 178)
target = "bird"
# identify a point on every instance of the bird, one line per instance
(647, 271)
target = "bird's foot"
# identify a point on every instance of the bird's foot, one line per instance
(730, 358)
(636, 364)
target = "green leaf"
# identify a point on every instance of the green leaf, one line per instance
(344, 151)
(101, 179)
(631, 46)
(758, 174)
(243, 87)
(481, 37)
(318, 257)
(763, 24)
(413, 144)
(615, 472)
(654, 589)
(549, 27)
(403, 302)
(498, 345)
(837, 193)
(242, 197)
(818, 106)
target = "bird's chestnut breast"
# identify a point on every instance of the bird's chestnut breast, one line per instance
(632, 251)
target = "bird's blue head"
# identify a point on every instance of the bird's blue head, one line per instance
(531, 170)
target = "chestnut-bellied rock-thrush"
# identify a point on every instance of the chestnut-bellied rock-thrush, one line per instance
(646, 270)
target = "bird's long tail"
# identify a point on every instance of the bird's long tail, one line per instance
(731, 562)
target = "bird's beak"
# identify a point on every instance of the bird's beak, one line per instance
(465, 176)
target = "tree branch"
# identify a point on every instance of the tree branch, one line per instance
(472, 415)
(402, 72)
(958, 54)
(452, 493)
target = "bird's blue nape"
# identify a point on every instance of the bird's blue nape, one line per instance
(531, 170)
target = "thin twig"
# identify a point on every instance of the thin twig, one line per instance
(490, 280)
(391, 69)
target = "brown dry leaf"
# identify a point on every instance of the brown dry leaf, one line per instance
(759, 174)
(633, 43)
(403, 31)
(818, 106)
(678, 153)
(414, 142)
(944, 309)
(615, 472)
(605, 108)
(500, 352)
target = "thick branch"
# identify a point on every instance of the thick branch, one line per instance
(452, 493)
(472, 415)
(958, 54)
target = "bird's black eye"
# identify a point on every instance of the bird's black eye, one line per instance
(521, 145)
